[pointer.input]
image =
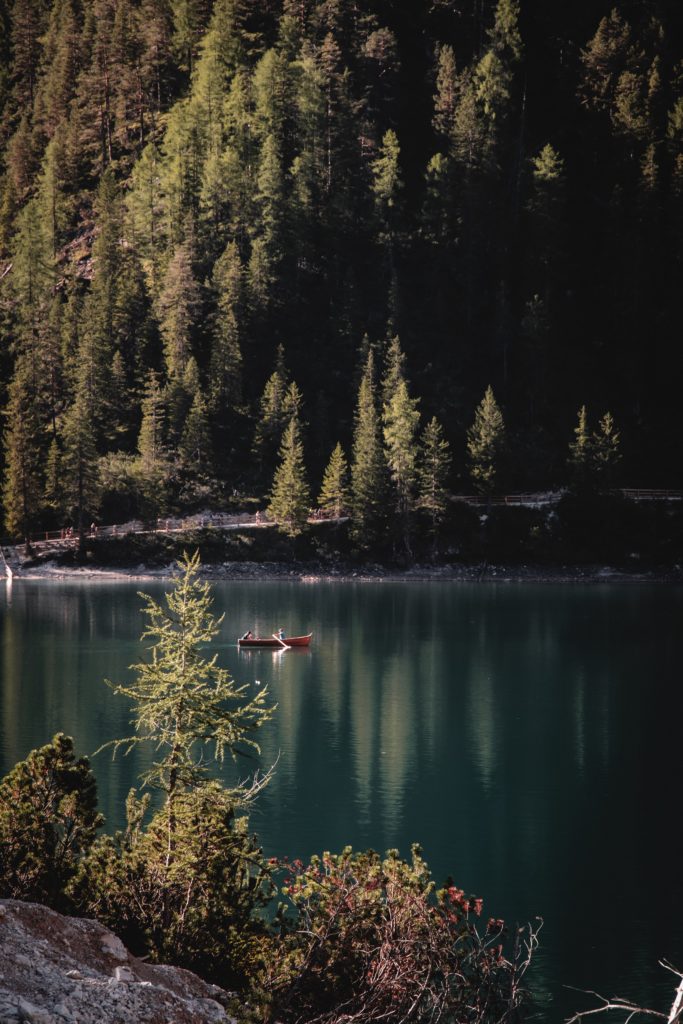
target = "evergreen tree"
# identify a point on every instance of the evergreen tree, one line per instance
(400, 423)
(32, 280)
(146, 210)
(492, 90)
(195, 447)
(153, 465)
(52, 385)
(267, 249)
(548, 178)
(546, 206)
(94, 100)
(129, 103)
(28, 22)
(290, 497)
(309, 171)
(189, 19)
(394, 370)
(505, 36)
(485, 444)
(334, 493)
(605, 453)
(226, 355)
(292, 403)
(272, 415)
(134, 334)
(434, 467)
(183, 159)
(48, 820)
(273, 100)
(155, 31)
(386, 186)
(55, 205)
(180, 393)
(101, 309)
(62, 63)
(447, 92)
(368, 468)
(54, 484)
(22, 485)
(178, 307)
(21, 157)
(151, 440)
(438, 208)
(580, 451)
(603, 59)
(81, 477)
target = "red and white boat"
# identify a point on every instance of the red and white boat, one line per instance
(274, 641)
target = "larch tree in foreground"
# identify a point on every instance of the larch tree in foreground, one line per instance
(183, 702)
(183, 889)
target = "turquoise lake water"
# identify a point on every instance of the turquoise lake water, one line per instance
(528, 736)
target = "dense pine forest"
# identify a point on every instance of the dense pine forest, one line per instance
(387, 250)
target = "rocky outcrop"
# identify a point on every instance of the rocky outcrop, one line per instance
(65, 970)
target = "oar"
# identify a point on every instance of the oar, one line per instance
(285, 646)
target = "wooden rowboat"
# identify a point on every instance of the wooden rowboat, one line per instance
(272, 641)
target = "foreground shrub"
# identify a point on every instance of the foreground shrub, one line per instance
(48, 820)
(368, 939)
(195, 906)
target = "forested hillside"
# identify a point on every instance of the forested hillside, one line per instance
(217, 218)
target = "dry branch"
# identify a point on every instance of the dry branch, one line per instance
(632, 1010)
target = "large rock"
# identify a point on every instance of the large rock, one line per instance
(56, 970)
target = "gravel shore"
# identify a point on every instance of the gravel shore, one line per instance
(313, 573)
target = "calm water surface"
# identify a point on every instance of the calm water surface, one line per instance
(529, 737)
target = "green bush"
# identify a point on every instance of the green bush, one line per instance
(198, 910)
(368, 939)
(48, 821)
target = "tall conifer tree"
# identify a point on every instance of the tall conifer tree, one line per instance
(22, 485)
(400, 420)
(178, 307)
(485, 444)
(80, 459)
(334, 493)
(226, 355)
(368, 467)
(434, 466)
(290, 496)
(580, 450)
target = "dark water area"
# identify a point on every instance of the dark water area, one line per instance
(528, 736)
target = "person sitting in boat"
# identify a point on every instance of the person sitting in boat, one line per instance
(281, 634)
(248, 635)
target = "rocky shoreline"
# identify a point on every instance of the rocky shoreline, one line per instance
(307, 572)
(67, 970)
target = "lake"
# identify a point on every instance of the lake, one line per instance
(528, 736)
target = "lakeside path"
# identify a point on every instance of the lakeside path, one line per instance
(311, 573)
